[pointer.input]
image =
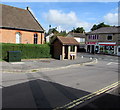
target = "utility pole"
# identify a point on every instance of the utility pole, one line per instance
(73, 31)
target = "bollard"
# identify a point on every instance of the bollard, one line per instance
(90, 58)
(61, 57)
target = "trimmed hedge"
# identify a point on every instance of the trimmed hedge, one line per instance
(27, 50)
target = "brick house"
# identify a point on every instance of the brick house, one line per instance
(64, 48)
(103, 40)
(19, 26)
(81, 38)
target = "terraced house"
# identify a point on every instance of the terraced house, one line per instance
(20, 26)
(104, 40)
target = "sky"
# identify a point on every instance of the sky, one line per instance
(68, 15)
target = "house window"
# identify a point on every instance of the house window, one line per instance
(82, 39)
(93, 37)
(18, 37)
(72, 48)
(35, 38)
(97, 37)
(109, 37)
(89, 37)
(41, 38)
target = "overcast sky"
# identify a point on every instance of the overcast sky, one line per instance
(69, 15)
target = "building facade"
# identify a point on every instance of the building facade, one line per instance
(20, 26)
(81, 38)
(103, 40)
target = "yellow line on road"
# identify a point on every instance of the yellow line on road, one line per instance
(89, 96)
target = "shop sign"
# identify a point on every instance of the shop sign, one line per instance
(90, 43)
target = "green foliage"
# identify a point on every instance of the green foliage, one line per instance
(27, 50)
(53, 30)
(99, 26)
(78, 30)
(62, 33)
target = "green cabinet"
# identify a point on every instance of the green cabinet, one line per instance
(14, 56)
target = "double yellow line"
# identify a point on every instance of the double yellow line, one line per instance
(87, 97)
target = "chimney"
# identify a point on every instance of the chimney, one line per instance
(28, 8)
(83, 32)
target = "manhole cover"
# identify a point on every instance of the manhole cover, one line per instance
(89, 65)
(45, 61)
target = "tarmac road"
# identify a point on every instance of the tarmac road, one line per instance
(52, 89)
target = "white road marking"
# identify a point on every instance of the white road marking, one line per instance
(17, 63)
(112, 63)
(87, 97)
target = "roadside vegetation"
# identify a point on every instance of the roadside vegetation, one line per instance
(28, 51)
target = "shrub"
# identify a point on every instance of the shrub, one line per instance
(27, 50)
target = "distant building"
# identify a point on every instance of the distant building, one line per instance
(64, 48)
(103, 40)
(81, 38)
(48, 38)
(20, 26)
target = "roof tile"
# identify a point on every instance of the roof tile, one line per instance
(67, 40)
(13, 17)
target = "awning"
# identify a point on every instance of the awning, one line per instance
(107, 43)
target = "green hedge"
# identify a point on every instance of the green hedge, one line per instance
(27, 50)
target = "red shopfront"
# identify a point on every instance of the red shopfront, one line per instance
(107, 47)
(91, 46)
(101, 47)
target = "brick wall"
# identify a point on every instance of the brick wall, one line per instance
(9, 36)
(57, 49)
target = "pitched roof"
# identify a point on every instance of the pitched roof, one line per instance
(17, 18)
(80, 35)
(113, 29)
(67, 40)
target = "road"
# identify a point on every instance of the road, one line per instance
(52, 89)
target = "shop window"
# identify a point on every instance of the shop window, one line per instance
(72, 48)
(109, 37)
(101, 49)
(35, 38)
(118, 49)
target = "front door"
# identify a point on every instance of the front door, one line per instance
(18, 37)
(92, 49)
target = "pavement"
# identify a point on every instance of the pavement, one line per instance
(100, 56)
(34, 65)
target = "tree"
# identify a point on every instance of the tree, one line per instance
(78, 30)
(62, 33)
(99, 26)
(53, 30)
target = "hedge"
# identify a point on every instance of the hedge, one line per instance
(27, 50)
